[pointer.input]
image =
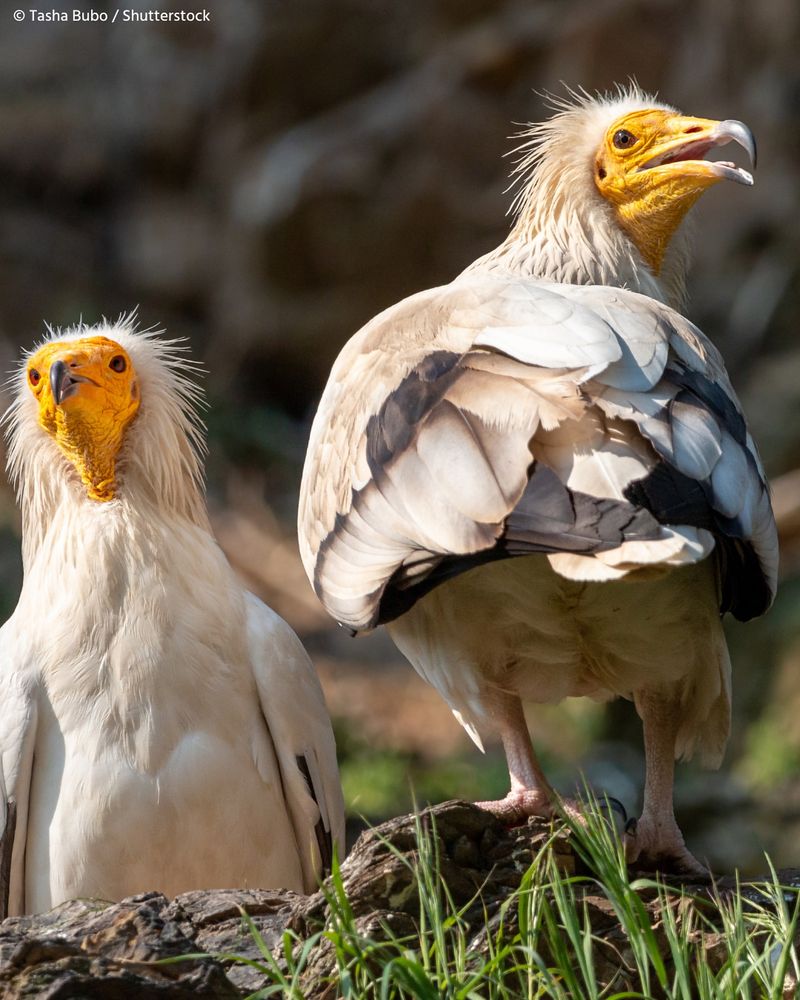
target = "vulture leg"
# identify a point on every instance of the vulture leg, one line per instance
(657, 842)
(531, 794)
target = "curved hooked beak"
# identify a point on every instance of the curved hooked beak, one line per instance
(697, 137)
(734, 131)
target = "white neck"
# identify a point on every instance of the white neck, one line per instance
(584, 248)
(565, 230)
(59, 502)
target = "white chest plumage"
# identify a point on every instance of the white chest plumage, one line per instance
(150, 740)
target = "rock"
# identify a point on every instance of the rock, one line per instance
(96, 949)
(475, 853)
(89, 948)
(212, 920)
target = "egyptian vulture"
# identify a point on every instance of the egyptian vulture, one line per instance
(160, 727)
(539, 478)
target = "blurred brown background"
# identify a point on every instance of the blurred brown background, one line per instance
(264, 183)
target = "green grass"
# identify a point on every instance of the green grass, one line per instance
(546, 940)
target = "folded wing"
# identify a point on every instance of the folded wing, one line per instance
(18, 725)
(299, 725)
(492, 419)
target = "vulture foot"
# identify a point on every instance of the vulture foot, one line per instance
(659, 850)
(519, 805)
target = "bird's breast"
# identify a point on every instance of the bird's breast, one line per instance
(139, 638)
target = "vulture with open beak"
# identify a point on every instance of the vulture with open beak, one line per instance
(160, 727)
(539, 477)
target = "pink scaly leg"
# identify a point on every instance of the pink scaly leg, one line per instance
(531, 794)
(657, 842)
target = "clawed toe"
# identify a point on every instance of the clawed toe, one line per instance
(648, 847)
(668, 856)
(682, 864)
(520, 805)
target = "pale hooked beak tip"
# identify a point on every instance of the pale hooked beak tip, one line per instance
(735, 131)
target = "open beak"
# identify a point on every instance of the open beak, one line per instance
(696, 138)
(63, 381)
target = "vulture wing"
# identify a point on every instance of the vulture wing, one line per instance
(298, 722)
(498, 417)
(18, 720)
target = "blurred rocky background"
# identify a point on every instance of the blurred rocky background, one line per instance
(264, 183)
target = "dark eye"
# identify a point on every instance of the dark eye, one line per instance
(117, 363)
(34, 376)
(623, 139)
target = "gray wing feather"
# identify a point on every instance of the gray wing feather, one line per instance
(696, 438)
(727, 476)
(6, 852)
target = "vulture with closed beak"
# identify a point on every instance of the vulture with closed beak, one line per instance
(539, 478)
(160, 727)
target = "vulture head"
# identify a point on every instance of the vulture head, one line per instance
(87, 393)
(605, 184)
(105, 414)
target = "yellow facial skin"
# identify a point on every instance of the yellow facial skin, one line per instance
(650, 167)
(88, 395)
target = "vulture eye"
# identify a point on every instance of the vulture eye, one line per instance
(34, 376)
(623, 139)
(117, 363)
